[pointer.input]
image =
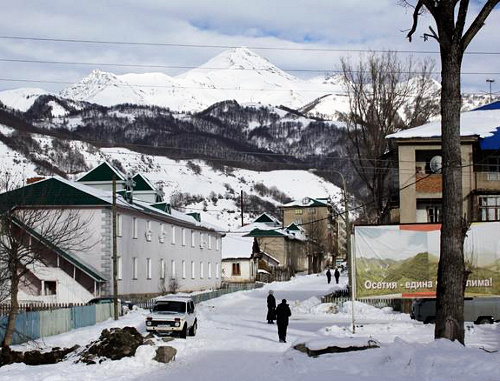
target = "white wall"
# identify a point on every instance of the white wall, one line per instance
(247, 270)
(155, 247)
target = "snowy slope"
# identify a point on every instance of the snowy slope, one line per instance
(215, 192)
(21, 99)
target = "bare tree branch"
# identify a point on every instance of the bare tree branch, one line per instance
(416, 14)
(478, 23)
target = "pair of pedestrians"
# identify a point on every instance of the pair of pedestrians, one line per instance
(281, 313)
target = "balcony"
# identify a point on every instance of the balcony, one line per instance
(429, 184)
(488, 181)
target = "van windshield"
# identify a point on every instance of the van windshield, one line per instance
(170, 306)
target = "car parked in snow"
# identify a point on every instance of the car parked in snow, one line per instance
(173, 315)
(478, 310)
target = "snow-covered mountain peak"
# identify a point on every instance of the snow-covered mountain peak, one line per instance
(239, 58)
(103, 88)
(21, 99)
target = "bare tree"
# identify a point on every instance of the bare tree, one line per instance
(27, 234)
(385, 95)
(453, 39)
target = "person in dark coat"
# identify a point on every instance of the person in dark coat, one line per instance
(282, 314)
(336, 274)
(328, 275)
(271, 308)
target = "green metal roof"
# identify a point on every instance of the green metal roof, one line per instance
(293, 226)
(264, 233)
(103, 172)
(49, 192)
(264, 218)
(163, 206)
(195, 215)
(142, 184)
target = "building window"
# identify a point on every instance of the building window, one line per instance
(183, 237)
(173, 235)
(298, 221)
(489, 208)
(312, 210)
(119, 225)
(172, 264)
(298, 211)
(236, 269)
(209, 270)
(148, 268)
(201, 270)
(434, 214)
(134, 228)
(161, 237)
(148, 233)
(119, 268)
(192, 270)
(192, 238)
(183, 269)
(162, 269)
(202, 244)
(134, 268)
(217, 243)
(49, 287)
(217, 270)
(210, 242)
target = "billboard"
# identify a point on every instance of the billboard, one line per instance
(402, 260)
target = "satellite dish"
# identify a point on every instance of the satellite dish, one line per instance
(436, 164)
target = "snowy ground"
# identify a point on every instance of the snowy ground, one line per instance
(234, 342)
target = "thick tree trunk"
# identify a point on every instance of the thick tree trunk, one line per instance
(450, 291)
(14, 308)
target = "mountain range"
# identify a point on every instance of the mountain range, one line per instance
(237, 74)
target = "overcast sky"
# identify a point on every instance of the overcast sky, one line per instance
(277, 25)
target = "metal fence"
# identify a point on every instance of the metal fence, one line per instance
(38, 324)
(36, 306)
(397, 304)
(226, 288)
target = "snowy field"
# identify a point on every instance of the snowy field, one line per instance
(234, 342)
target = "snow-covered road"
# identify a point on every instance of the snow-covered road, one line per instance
(234, 342)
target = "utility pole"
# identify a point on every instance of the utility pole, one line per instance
(241, 206)
(490, 81)
(349, 259)
(115, 256)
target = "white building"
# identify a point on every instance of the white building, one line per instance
(155, 244)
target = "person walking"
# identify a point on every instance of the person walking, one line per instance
(282, 314)
(328, 275)
(336, 274)
(271, 308)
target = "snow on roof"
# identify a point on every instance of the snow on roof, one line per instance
(234, 245)
(480, 122)
(307, 201)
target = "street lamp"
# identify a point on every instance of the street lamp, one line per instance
(490, 81)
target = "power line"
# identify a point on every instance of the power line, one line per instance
(336, 71)
(221, 46)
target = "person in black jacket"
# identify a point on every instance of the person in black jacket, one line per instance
(271, 308)
(337, 275)
(328, 275)
(282, 314)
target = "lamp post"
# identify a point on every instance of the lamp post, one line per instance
(490, 81)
